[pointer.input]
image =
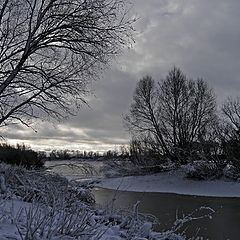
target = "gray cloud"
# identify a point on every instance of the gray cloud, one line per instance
(200, 36)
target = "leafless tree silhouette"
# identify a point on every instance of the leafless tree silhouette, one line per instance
(173, 114)
(229, 131)
(51, 49)
(231, 112)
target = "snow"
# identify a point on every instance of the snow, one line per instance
(61, 210)
(20, 220)
(173, 182)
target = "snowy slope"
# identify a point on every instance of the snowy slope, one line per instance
(173, 182)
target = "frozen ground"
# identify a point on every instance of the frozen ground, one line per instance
(173, 182)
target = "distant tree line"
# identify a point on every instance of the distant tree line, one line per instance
(178, 119)
(24, 156)
(66, 154)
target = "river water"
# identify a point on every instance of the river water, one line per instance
(224, 224)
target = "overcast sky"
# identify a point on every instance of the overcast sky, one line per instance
(202, 37)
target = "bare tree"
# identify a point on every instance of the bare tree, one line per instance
(230, 130)
(231, 112)
(188, 109)
(145, 115)
(175, 113)
(51, 49)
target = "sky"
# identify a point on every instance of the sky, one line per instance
(202, 37)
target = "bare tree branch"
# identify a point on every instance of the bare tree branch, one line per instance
(51, 49)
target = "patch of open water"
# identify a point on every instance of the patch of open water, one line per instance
(225, 223)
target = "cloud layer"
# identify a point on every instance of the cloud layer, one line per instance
(199, 36)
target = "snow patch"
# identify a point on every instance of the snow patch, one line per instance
(173, 182)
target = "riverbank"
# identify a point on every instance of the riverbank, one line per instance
(173, 182)
(112, 175)
(42, 205)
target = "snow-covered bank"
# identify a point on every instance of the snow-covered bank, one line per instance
(39, 205)
(173, 182)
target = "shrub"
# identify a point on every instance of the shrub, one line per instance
(21, 156)
(201, 170)
(232, 172)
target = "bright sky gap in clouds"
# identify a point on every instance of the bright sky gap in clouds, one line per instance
(199, 36)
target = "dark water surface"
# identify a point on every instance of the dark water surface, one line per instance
(225, 223)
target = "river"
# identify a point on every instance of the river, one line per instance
(225, 223)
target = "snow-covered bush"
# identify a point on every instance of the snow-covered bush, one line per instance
(42, 222)
(34, 221)
(201, 170)
(231, 172)
(42, 186)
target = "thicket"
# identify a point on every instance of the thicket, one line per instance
(20, 155)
